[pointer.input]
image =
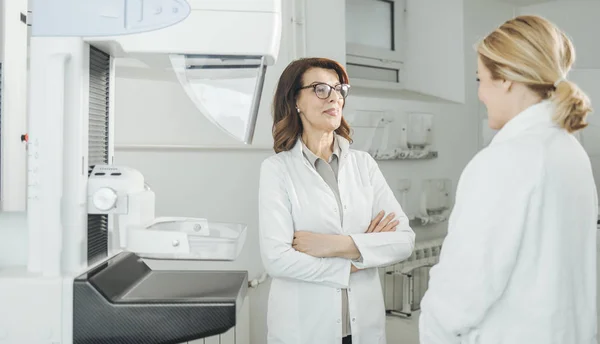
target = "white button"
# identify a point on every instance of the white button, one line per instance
(339, 321)
(338, 290)
(353, 319)
(104, 199)
(335, 210)
(349, 289)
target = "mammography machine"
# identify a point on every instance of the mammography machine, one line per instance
(71, 265)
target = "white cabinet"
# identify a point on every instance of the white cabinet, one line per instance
(414, 47)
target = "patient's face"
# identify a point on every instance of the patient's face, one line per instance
(494, 96)
(316, 113)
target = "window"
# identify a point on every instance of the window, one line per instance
(374, 39)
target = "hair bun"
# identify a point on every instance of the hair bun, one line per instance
(572, 106)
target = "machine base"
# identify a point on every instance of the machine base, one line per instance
(123, 301)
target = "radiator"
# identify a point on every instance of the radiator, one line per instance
(240, 334)
(404, 284)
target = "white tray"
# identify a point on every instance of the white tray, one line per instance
(187, 238)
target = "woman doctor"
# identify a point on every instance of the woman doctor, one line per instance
(519, 263)
(323, 233)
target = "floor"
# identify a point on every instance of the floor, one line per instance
(402, 331)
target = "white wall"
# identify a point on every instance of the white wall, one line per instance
(207, 180)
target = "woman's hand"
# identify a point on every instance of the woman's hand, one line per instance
(335, 245)
(379, 224)
(325, 245)
(314, 244)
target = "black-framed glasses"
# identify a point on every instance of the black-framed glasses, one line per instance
(323, 91)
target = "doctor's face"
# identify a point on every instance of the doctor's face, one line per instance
(494, 95)
(320, 100)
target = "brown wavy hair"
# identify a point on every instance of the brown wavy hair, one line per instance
(287, 126)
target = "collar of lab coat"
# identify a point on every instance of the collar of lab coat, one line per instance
(342, 144)
(312, 157)
(539, 114)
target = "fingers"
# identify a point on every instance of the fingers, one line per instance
(380, 224)
(299, 240)
(375, 221)
(296, 245)
(383, 223)
(297, 236)
(391, 227)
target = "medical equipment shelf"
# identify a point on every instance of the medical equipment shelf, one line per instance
(408, 155)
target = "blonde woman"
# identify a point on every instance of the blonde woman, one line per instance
(519, 263)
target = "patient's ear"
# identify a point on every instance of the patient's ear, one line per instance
(506, 85)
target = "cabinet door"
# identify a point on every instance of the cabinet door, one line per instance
(375, 42)
(435, 49)
(374, 29)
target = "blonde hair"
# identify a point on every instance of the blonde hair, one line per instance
(533, 51)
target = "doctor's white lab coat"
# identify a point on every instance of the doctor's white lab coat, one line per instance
(518, 265)
(305, 297)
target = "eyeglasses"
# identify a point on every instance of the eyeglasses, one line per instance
(323, 91)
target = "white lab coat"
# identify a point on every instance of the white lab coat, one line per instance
(518, 265)
(305, 296)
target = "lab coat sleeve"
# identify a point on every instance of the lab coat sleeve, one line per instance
(276, 233)
(387, 248)
(480, 251)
